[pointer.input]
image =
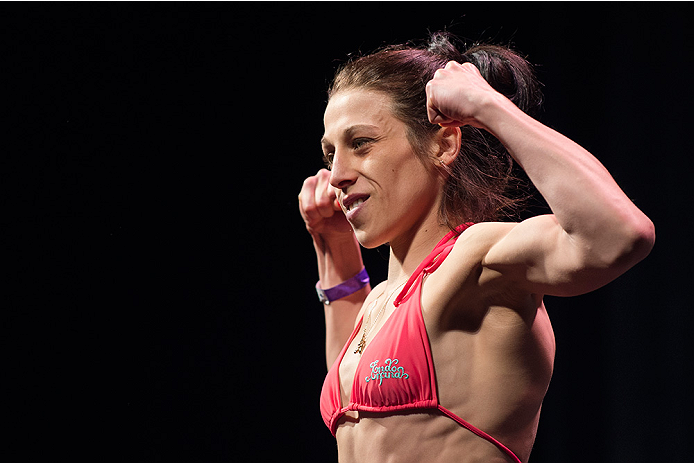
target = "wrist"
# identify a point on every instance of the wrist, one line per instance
(497, 111)
(344, 289)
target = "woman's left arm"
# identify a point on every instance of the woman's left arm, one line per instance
(595, 232)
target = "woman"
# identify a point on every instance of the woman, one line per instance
(449, 359)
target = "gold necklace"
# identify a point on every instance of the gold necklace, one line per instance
(362, 343)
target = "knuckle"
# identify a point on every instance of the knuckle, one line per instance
(322, 201)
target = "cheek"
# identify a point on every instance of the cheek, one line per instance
(410, 179)
(405, 197)
(410, 191)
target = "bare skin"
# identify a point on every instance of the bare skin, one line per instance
(490, 335)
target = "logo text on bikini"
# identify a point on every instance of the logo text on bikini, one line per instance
(387, 371)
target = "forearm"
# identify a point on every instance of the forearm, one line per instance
(339, 259)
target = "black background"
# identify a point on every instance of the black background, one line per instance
(159, 298)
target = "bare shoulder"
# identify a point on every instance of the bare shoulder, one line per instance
(484, 235)
(468, 254)
(471, 249)
(473, 246)
(511, 248)
(464, 282)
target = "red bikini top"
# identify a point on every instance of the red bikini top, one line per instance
(396, 370)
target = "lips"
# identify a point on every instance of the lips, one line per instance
(352, 203)
(355, 204)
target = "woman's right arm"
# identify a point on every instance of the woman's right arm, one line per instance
(339, 258)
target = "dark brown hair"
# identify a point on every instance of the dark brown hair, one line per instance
(481, 185)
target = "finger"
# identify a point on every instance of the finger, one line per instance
(331, 191)
(451, 124)
(313, 211)
(307, 206)
(437, 117)
(470, 67)
(433, 114)
(324, 195)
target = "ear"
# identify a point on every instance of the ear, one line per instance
(448, 140)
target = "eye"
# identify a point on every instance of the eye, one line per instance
(359, 143)
(328, 160)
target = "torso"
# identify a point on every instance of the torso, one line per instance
(493, 350)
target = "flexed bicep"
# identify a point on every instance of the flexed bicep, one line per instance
(542, 258)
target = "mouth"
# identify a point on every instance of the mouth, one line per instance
(355, 204)
(351, 203)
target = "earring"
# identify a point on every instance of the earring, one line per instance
(445, 167)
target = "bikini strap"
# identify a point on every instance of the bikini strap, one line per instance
(432, 261)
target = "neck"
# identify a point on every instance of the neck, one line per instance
(409, 249)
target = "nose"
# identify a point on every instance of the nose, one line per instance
(342, 173)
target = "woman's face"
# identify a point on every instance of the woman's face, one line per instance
(385, 190)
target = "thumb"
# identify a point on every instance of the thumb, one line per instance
(437, 117)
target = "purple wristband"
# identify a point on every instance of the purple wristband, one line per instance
(344, 289)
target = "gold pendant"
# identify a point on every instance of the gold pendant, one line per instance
(361, 345)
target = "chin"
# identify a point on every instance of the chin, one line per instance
(367, 239)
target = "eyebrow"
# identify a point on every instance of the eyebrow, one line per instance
(349, 131)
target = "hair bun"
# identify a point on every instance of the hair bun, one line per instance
(509, 74)
(445, 45)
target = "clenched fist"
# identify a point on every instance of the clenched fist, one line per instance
(457, 95)
(320, 208)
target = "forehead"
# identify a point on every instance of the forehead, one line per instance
(352, 108)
